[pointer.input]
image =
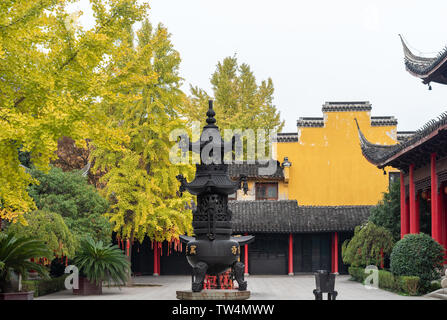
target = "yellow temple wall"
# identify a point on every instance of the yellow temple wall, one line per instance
(328, 167)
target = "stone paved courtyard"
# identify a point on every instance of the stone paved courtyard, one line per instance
(298, 287)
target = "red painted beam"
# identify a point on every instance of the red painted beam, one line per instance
(414, 219)
(404, 218)
(435, 215)
(290, 254)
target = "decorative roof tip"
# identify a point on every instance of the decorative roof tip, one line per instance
(374, 153)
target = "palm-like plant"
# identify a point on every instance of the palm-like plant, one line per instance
(15, 255)
(99, 262)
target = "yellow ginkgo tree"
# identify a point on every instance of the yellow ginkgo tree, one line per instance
(142, 99)
(51, 76)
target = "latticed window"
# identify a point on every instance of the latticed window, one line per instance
(266, 191)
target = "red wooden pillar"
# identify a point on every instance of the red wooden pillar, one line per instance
(334, 268)
(435, 214)
(404, 217)
(246, 259)
(414, 219)
(443, 218)
(418, 212)
(290, 254)
(156, 272)
(159, 253)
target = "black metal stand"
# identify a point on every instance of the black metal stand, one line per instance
(330, 295)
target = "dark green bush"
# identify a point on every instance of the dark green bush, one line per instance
(387, 280)
(357, 273)
(409, 285)
(435, 285)
(44, 286)
(417, 255)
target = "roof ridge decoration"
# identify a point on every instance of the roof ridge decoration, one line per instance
(380, 155)
(286, 137)
(310, 122)
(378, 121)
(329, 106)
(423, 67)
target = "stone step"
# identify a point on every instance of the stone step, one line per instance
(439, 294)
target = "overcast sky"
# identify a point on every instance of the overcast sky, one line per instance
(314, 51)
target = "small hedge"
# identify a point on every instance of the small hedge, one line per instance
(409, 285)
(44, 286)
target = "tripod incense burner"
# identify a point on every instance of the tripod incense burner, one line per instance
(213, 250)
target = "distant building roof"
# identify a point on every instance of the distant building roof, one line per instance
(252, 171)
(285, 216)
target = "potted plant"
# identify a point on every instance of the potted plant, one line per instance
(97, 263)
(15, 258)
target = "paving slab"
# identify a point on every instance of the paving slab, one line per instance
(298, 287)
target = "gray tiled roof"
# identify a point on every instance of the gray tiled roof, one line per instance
(285, 216)
(252, 171)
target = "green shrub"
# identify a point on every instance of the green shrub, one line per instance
(417, 255)
(435, 285)
(16, 254)
(44, 286)
(357, 273)
(99, 262)
(387, 280)
(366, 245)
(409, 285)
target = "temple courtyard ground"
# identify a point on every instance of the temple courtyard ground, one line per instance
(297, 287)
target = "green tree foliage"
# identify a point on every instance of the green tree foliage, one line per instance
(69, 194)
(51, 77)
(417, 255)
(366, 245)
(48, 227)
(142, 99)
(387, 212)
(240, 103)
